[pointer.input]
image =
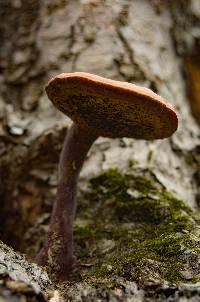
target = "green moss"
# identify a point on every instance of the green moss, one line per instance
(87, 232)
(150, 155)
(149, 228)
(132, 163)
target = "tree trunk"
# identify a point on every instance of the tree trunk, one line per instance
(137, 225)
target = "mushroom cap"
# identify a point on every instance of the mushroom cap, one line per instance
(112, 108)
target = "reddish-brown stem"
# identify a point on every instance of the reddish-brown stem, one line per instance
(58, 249)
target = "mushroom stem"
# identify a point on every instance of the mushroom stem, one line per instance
(58, 249)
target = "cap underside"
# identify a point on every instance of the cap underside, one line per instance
(112, 108)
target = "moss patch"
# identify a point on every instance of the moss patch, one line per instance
(128, 227)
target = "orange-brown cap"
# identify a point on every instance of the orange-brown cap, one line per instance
(112, 108)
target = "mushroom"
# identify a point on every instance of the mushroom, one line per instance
(98, 107)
